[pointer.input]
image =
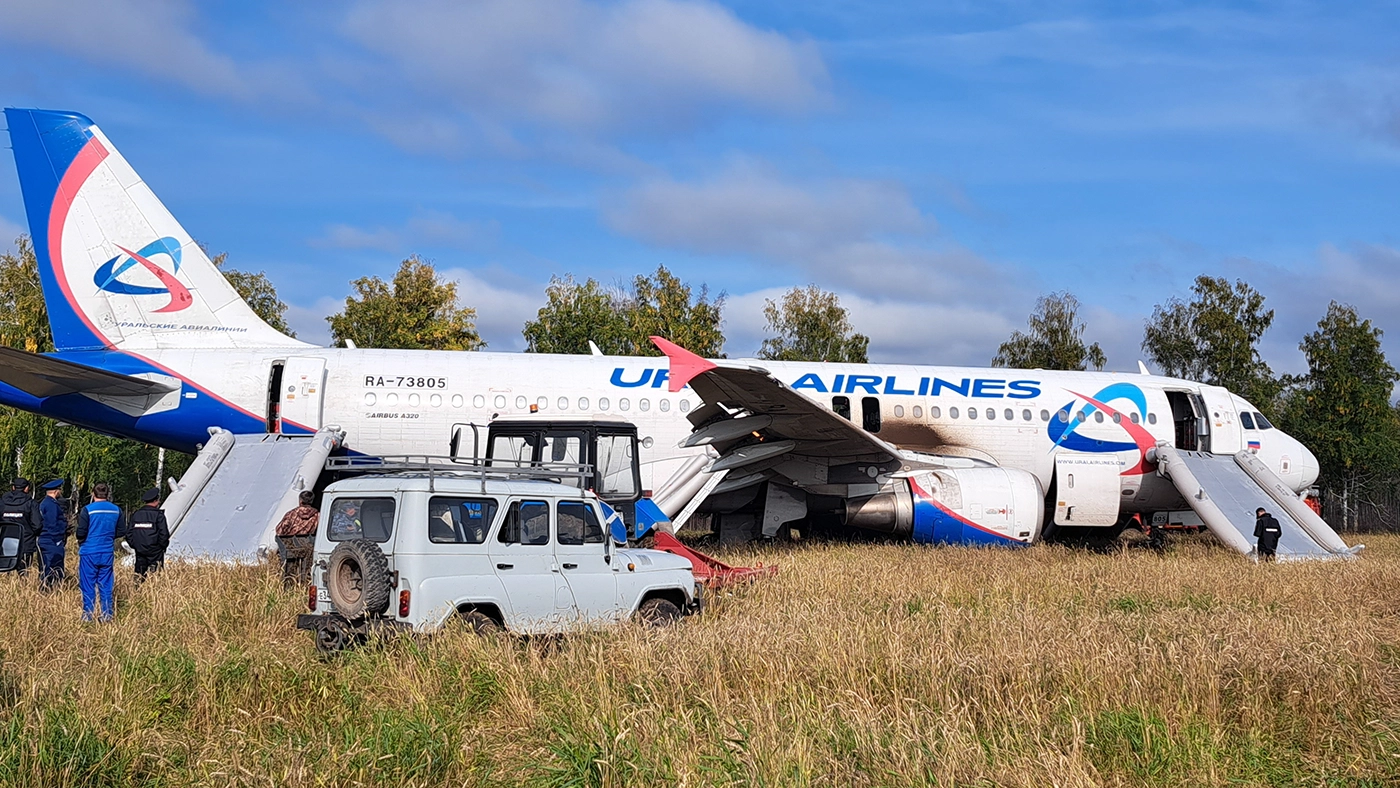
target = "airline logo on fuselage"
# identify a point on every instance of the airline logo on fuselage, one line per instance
(891, 385)
(1064, 426)
(108, 276)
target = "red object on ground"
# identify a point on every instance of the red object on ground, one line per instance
(713, 572)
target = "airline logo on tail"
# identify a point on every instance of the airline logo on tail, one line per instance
(109, 275)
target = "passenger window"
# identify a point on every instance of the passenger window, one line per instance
(478, 401)
(1134, 417)
(1098, 416)
(1026, 414)
(1044, 415)
(1081, 417)
(526, 523)
(1151, 418)
(644, 405)
(665, 405)
(361, 518)
(615, 465)
(521, 402)
(1246, 420)
(953, 412)
(563, 403)
(918, 412)
(624, 404)
(685, 406)
(991, 414)
(454, 520)
(1117, 418)
(583, 403)
(1262, 422)
(1009, 415)
(578, 524)
(870, 414)
(1063, 416)
(842, 406)
(899, 411)
(602, 403)
(500, 402)
(972, 413)
(935, 413)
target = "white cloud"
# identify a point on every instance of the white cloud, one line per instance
(432, 229)
(153, 37)
(586, 65)
(310, 321)
(865, 236)
(501, 309)
(9, 231)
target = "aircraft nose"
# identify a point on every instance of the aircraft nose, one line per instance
(1308, 467)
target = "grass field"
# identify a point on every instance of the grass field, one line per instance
(857, 665)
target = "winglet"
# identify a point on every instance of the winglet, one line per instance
(684, 364)
(1142, 368)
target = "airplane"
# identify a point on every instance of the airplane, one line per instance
(153, 344)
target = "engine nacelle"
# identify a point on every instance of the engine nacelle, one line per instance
(955, 506)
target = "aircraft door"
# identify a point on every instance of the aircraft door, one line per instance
(303, 393)
(1087, 488)
(1219, 411)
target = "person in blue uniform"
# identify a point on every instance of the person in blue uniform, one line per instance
(18, 508)
(148, 534)
(100, 525)
(53, 535)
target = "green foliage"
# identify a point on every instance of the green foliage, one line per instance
(621, 323)
(259, 292)
(40, 448)
(576, 313)
(417, 311)
(1214, 339)
(1055, 339)
(1341, 409)
(811, 325)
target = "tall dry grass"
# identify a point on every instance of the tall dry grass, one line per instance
(857, 665)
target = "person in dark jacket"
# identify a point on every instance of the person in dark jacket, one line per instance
(18, 507)
(100, 525)
(148, 534)
(296, 539)
(1267, 531)
(53, 535)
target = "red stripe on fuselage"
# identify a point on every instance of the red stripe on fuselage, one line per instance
(78, 172)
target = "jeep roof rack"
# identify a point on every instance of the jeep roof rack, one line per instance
(434, 466)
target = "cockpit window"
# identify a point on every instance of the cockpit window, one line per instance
(1247, 420)
(1262, 422)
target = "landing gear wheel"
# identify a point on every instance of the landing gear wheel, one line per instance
(357, 577)
(657, 612)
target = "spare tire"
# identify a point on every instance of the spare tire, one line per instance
(357, 578)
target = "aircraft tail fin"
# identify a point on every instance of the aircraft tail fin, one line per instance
(118, 270)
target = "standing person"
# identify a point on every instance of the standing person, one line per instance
(100, 525)
(18, 506)
(1267, 531)
(148, 534)
(296, 536)
(53, 536)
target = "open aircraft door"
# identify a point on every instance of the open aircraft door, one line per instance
(1220, 414)
(1087, 488)
(303, 392)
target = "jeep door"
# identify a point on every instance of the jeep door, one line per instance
(523, 556)
(583, 559)
(450, 557)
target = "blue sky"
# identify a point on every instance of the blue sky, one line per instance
(939, 165)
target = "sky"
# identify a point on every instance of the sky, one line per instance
(938, 165)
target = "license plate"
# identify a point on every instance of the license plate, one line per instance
(322, 595)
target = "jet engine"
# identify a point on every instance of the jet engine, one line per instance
(954, 506)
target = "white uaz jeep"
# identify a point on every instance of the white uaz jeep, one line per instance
(413, 550)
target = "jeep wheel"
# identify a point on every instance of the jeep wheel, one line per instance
(475, 622)
(357, 577)
(657, 612)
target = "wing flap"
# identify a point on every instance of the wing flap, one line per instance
(45, 376)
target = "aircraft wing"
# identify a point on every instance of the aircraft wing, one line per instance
(756, 422)
(45, 376)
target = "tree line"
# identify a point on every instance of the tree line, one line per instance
(1340, 408)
